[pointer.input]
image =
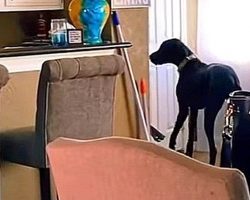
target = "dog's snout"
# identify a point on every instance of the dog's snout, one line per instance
(153, 58)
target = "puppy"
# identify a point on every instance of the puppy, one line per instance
(200, 86)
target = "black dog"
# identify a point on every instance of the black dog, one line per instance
(199, 86)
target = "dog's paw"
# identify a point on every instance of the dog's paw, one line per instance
(171, 146)
(172, 143)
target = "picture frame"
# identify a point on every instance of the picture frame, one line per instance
(75, 36)
(130, 4)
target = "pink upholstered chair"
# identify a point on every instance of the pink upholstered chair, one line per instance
(116, 168)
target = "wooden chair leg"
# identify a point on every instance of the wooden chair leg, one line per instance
(45, 183)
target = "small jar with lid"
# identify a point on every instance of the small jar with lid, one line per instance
(58, 32)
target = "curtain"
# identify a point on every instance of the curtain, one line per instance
(224, 35)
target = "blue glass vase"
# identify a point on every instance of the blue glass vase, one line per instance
(93, 16)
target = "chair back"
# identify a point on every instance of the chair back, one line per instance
(122, 168)
(75, 98)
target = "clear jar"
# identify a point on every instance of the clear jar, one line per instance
(58, 32)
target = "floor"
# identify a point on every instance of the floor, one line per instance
(204, 157)
(201, 156)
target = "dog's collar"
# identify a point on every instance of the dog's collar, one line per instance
(185, 61)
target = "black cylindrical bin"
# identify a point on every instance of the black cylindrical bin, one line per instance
(240, 100)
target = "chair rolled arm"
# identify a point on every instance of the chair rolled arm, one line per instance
(73, 68)
(4, 75)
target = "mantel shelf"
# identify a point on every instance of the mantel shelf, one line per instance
(23, 59)
(36, 50)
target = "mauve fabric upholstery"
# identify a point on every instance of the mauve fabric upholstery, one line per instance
(116, 168)
(75, 99)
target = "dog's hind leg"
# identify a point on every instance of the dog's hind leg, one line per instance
(210, 114)
(182, 115)
(192, 128)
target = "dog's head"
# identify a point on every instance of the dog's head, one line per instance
(170, 51)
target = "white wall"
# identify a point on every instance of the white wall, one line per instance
(224, 36)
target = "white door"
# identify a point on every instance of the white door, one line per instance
(166, 20)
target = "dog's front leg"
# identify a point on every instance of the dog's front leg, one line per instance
(182, 115)
(192, 131)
